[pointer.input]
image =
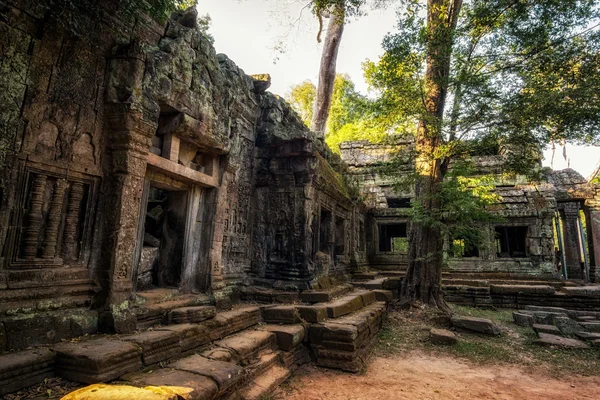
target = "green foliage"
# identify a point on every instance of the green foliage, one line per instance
(79, 16)
(350, 117)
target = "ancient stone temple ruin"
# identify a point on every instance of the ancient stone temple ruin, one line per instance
(148, 182)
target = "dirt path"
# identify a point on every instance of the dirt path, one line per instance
(419, 376)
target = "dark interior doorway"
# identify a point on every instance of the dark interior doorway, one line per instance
(164, 230)
(393, 237)
(511, 241)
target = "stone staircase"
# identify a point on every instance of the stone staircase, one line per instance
(243, 353)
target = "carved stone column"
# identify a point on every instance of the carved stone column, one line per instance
(571, 239)
(70, 245)
(34, 219)
(593, 230)
(56, 205)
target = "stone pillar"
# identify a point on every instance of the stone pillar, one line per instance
(593, 233)
(34, 218)
(130, 136)
(54, 217)
(70, 245)
(571, 239)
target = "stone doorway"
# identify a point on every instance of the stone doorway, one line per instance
(163, 241)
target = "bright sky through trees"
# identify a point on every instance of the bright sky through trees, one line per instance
(248, 30)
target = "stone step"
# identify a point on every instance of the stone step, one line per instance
(156, 346)
(345, 342)
(25, 368)
(287, 314)
(288, 336)
(344, 305)
(228, 376)
(97, 360)
(190, 336)
(246, 346)
(365, 276)
(191, 314)
(380, 283)
(265, 295)
(551, 329)
(264, 384)
(588, 335)
(384, 295)
(325, 295)
(229, 322)
(151, 314)
(592, 326)
(202, 387)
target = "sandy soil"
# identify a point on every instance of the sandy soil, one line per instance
(420, 376)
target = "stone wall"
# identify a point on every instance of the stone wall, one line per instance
(532, 207)
(92, 125)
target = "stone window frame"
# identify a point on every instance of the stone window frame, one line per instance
(91, 184)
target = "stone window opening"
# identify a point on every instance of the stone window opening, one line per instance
(463, 248)
(340, 236)
(399, 202)
(393, 238)
(511, 241)
(324, 230)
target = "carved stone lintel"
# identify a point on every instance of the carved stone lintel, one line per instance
(70, 246)
(34, 223)
(56, 205)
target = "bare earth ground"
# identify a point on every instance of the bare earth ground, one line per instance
(419, 376)
(406, 365)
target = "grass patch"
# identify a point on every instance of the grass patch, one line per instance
(408, 330)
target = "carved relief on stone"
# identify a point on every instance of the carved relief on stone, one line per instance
(46, 141)
(84, 150)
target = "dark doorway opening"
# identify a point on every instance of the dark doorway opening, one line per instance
(393, 237)
(164, 230)
(511, 241)
(340, 235)
(324, 231)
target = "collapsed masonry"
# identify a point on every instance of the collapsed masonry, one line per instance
(146, 179)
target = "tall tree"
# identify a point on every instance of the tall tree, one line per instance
(521, 72)
(327, 69)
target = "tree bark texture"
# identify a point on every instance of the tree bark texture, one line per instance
(333, 37)
(423, 282)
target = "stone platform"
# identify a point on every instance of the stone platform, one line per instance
(227, 354)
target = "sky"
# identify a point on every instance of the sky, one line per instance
(252, 33)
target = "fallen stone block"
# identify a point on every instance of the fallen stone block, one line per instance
(546, 339)
(523, 319)
(192, 314)
(288, 336)
(473, 324)
(156, 346)
(227, 375)
(442, 336)
(25, 368)
(281, 315)
(314, 313)
(201, 387)
(566, 325)
(551, 329)
(98, 360)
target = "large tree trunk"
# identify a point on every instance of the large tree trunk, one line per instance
(333, 37)
(423, 280)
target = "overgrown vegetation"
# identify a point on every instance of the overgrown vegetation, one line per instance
(407, 331)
